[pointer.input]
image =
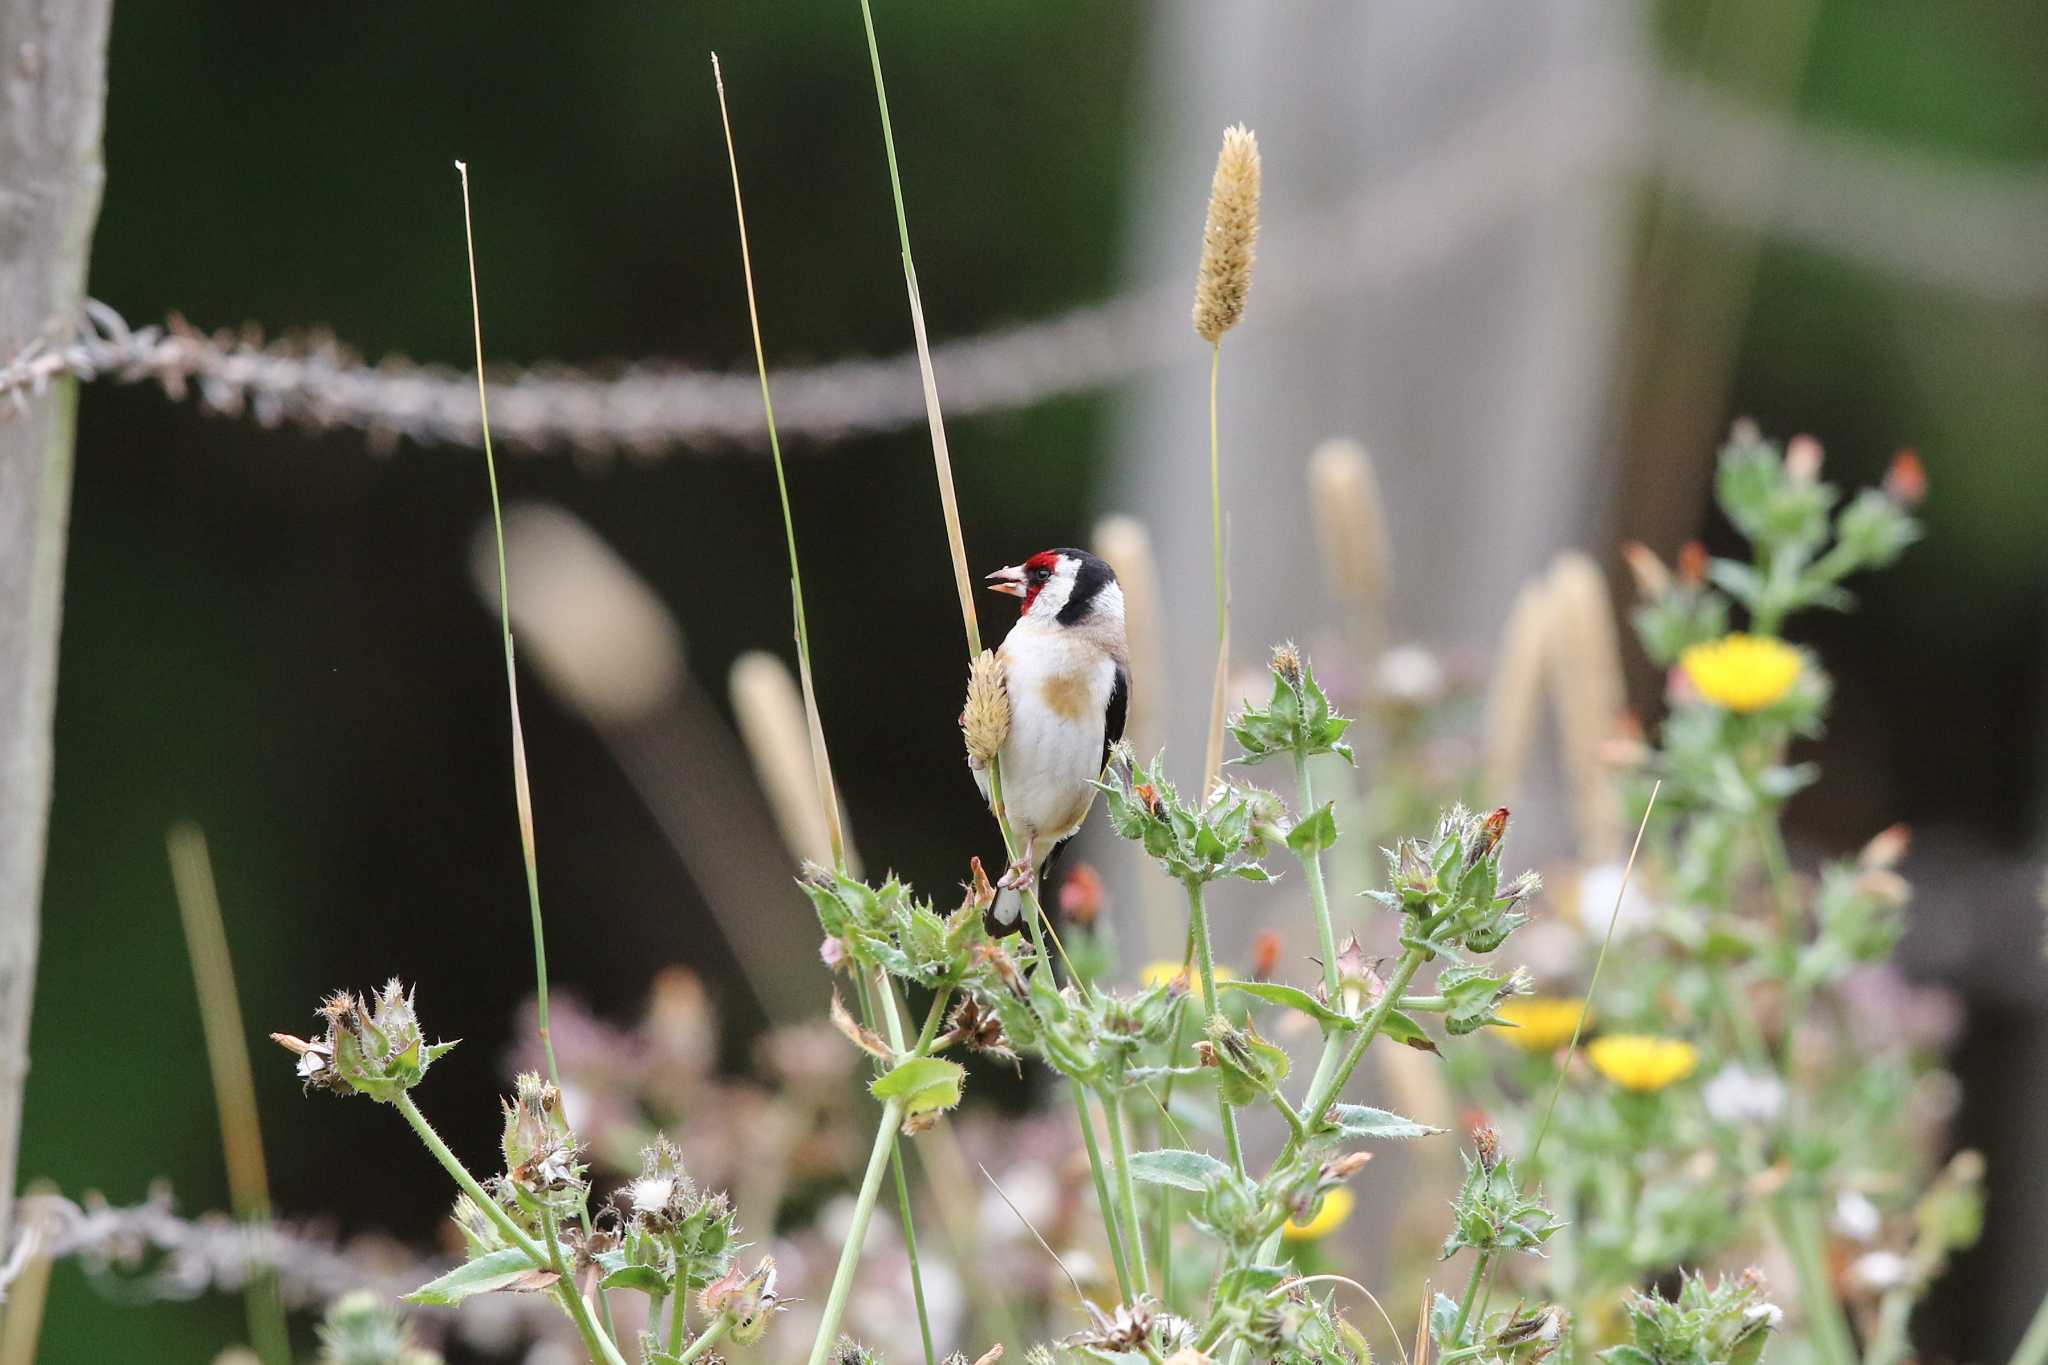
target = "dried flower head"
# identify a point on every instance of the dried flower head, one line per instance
(539, 1149)
(1127, 1329)
(978, 1028)
(371, 1046)
(1229, 236)
(985, 720)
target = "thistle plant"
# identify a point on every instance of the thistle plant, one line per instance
(1722, 1109)
(520, 1226)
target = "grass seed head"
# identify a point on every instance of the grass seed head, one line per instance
(1230, 236)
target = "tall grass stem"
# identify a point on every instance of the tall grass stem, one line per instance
(234, 1085)
(522, 791)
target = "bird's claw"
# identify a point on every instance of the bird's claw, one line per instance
(1017, 878)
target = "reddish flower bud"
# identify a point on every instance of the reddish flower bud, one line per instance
(1081, 895)
(1692, 564)
(1265, 954)
(1905, 483)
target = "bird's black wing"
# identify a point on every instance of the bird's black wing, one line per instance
(1113, 718)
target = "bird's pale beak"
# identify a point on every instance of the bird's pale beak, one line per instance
(1009, 579)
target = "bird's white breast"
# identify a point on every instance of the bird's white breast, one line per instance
(1059, 690)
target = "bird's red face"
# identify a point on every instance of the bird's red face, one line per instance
(1028, 579)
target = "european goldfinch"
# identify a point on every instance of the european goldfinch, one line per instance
(1067, 674)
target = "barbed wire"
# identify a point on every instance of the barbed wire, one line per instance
(147, 1252)
(1973, 230)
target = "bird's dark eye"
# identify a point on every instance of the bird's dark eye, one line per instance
(1040, 574)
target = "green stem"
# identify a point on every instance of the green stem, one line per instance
(1318, 895)
(706, 1339)
(2033, 1347)
(924, 1317)
(1799, 1227)
(1127, 1188)
(1110, 1222)
(1198, 925)
(1888, 1344)
(679, 1320)
(856, 1235)
(1319, 1101)
(549, 1257)
(490, 1207)
(595, 1340)
(1216, 495)
(1471, 1294)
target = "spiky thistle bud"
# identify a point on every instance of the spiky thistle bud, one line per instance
(371, 1047)
(539, 1148)
(1230, 236)
(985, 721)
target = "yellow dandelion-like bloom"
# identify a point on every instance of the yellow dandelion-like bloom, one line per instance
(1542, 1023)
(1165, 970)
(1743, 673)
(1337, 1206)
(1642, 1062)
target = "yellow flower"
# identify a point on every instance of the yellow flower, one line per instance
(1642, 1062)
(1337, 1206)
(1742, 672)
(1159, 973)
(1542, 1023)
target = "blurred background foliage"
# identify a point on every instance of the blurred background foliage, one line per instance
(275, 635)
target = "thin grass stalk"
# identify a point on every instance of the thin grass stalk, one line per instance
(942, 461)
(1212, 761)
(234, 1085)
(884, 1151)
(522, 788)
(1593, 982)
(522, 791)
(821, 761)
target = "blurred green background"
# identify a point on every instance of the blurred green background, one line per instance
(275, 635)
